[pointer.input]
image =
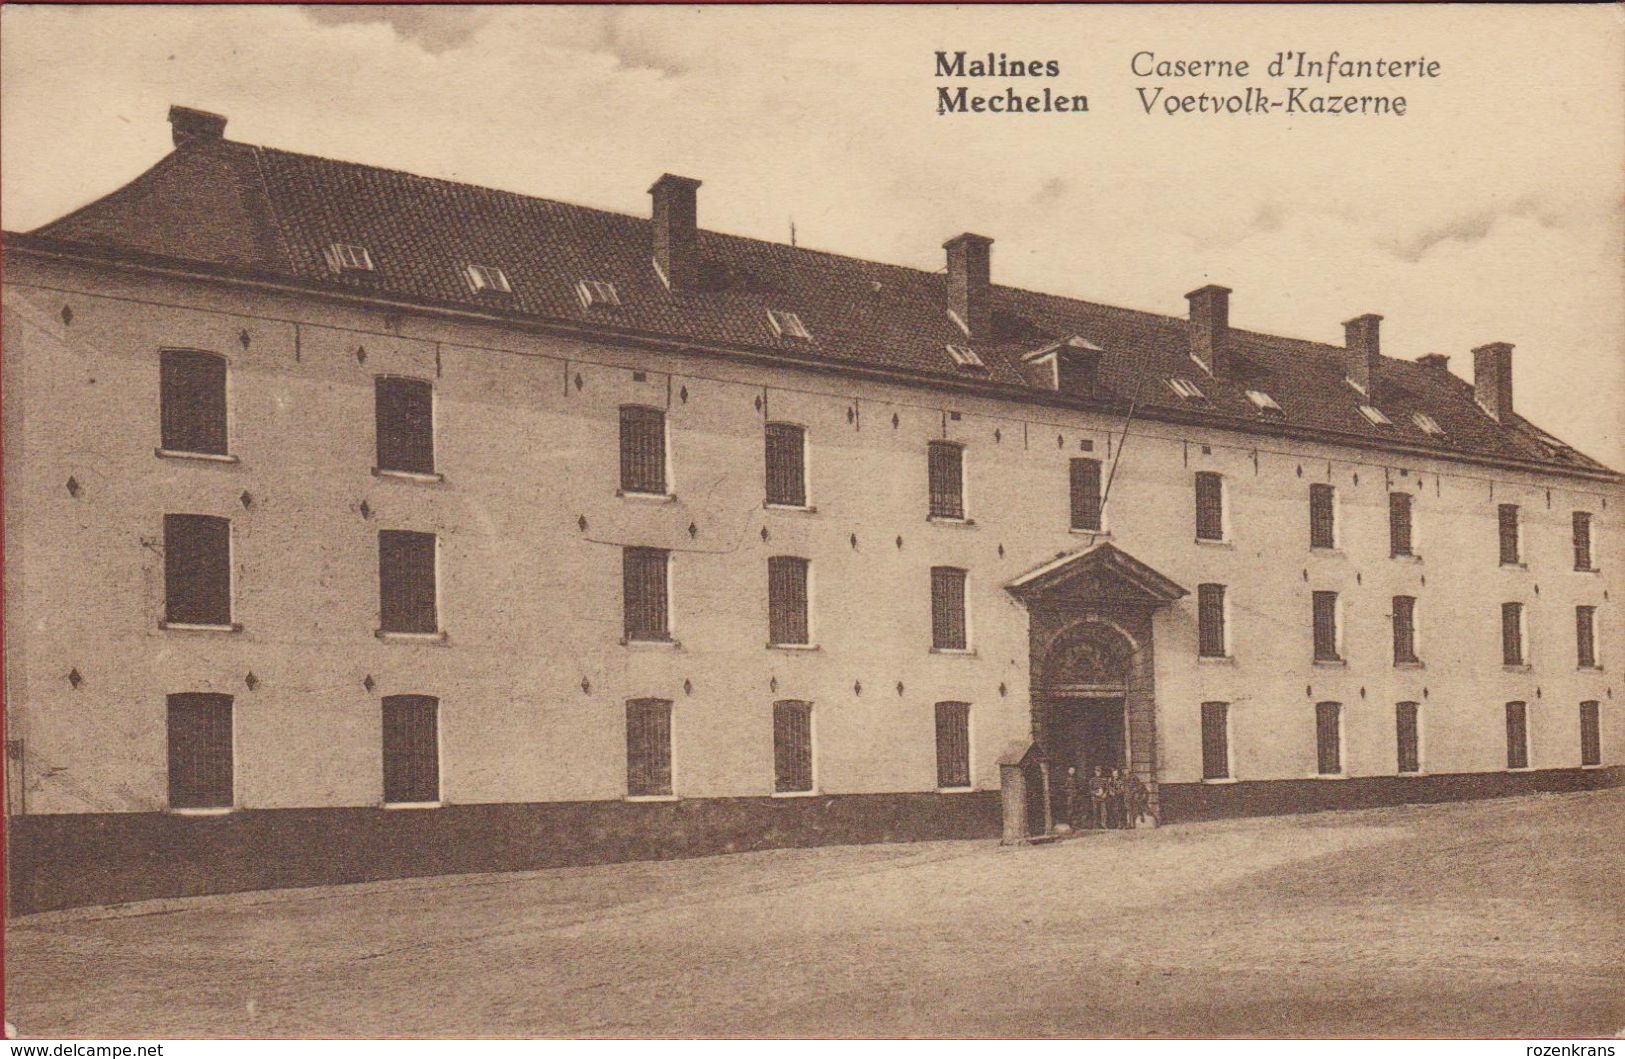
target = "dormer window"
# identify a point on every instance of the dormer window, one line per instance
(1374, 416)
(596, 292)
(787, 325)
(1427, 424)
(1264, 402)
(965, 357)
(488, 278)
(1186, 388)
(348, 257)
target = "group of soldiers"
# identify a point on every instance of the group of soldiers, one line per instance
(1106, 800)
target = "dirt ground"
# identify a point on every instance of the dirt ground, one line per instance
(1499, 918)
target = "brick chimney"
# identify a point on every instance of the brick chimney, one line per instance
(970, 283)
(1210, 327)
(1492, 378)
(1434, 361)
(188, 126)
(1360, 338)
(676, 231)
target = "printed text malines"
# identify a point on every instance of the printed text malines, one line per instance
(961, 100)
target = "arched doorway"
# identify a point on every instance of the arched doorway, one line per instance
(1083, 685)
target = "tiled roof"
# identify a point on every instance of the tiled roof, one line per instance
(271, 214)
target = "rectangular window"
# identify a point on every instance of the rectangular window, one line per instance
(792, 747)
(643, 581)
(406, 582)
(643, 450)
(1085, 494)
(197, 570)
(1328, 739)
(1507, 515)
(1210, 632)
(200, 759)
(1322, 516)
(787, 600)
(192, 402)
(948, 626)
(1409, 736)
(1399, 524)
(411, 750)
(953, 745)
(1325, 604)
(1512, 634)
(1582, 540)
(1215, 741)
(1404, 630)
(1585, 636)
(947, 471)
(1517, 736)
(1209, 506)
(648, 748)
(1590, 734)
(488, 278)
(786, 465)
(405, 417)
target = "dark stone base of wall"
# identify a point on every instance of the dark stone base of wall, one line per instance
(1182, 802)
(62, 861)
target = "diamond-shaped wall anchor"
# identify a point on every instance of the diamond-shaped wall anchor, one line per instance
(1003, 690)
(251, 680)
(683, 395)
(67, 316)
(693, 531)
(854, 541)
(1362, 693)
(899, 687)
(773, 684)
(242, 337)
(764, 533)
(74, 678)
(247, 499)
(1060, 442)
(73, 487)
(895, 422)
(899, 541)
(366, 509)
(1001, 551)
(758, 402)
(688, 687)
(361, 354)
(851, 415)
(579, 383)
(586, 686)
(581, 523)
(369, 683)
(857, 687)
(998, 435)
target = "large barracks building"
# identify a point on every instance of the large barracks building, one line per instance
(360, 524)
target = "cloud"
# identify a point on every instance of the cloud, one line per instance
(1473, 226)
(635, 51)
(434, 29)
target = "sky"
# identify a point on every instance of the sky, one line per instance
(1494, 210)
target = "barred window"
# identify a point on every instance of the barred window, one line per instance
(1215, 741)
(786, 465)
(1512, 634)
(643, 578)
(1582, 540)
(1085, 494)
(200, 757)
(1408, 733)
(1590, 734)
(948, 630)
(1322, 516)
(411, 749)
(1517, 735)
(787, 600)
(643, 450)
(406, 582)
(792, 747)
(1325, 606)
(1585, 636)
(404, 410)
(947, 472)
(197, 570)
(1399, 524)
(192, 402)
(648, 748)
(1404, 629)
(1209, 506)
(1328, 738)
(1507, 515)
(953, 745)
(1210, 631)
